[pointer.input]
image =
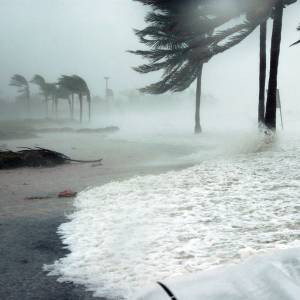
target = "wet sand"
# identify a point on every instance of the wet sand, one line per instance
(28, 227)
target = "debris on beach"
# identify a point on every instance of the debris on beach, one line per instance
(63, 194)
(36, 157)
(67, 194)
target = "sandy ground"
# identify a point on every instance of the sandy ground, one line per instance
(28, 227)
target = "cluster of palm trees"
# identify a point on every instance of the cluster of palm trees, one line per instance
(182, 36)
(66, 88)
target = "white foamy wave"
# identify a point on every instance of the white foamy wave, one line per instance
(125, 235)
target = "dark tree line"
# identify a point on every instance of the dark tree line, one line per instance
(66, 88)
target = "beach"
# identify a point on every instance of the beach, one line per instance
(28, 227)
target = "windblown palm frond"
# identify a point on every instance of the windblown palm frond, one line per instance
(46, 89)
(18, 81)
(38, 80)
(182, 35)
(75, 84)
(21, 83)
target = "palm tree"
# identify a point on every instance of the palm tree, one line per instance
(271, 105)
(22, 84)
(173, 26)
(77, 86)
(62, 93)
(262, 73)
(182, 36)
(174, 52)
(67, 83)
(48, 90)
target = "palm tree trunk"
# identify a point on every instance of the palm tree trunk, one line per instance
(56, 107)
(72, 107)
(46, 107)
(28, 102)
(80, 103)
(198, 128)
(90, 104)
(53, 105)
(262, 73)
(270, 117)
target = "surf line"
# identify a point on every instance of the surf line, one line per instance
(167, 290)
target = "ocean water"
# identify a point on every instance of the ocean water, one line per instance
(239, 202)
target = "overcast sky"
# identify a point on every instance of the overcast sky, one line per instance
(90, 38)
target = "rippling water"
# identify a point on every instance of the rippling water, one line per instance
(125, 235)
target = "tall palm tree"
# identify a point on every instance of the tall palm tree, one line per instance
(77, 86)
(48, 90)
(82, 91)
(262, 73)
(271, 105)
(173, 26)
(179, 54)
(22, 84)
(183, 35)
(67, 83)
(62, 93)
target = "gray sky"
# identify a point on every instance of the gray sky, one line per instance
(90, 37)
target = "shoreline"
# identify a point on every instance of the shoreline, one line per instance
(28, 227)
(28, 233)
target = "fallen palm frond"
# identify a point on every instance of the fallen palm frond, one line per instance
(36, 157)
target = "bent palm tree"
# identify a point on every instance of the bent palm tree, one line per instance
(179, 51)
(182, 36)
(63, 94)
(77, 86)
(67, 83)
(48, 90)
(22, 84)
(173, 26)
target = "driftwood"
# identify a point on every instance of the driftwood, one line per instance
(36, 157)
